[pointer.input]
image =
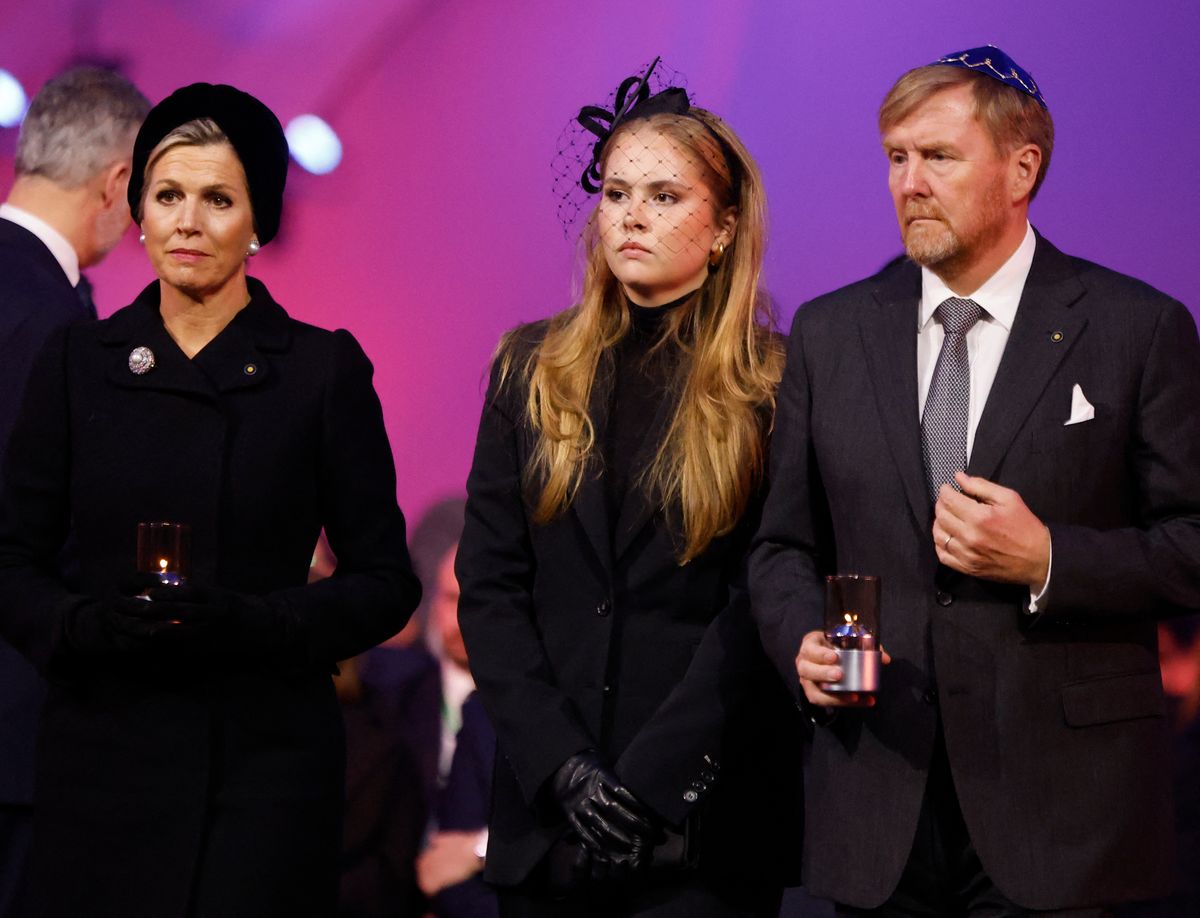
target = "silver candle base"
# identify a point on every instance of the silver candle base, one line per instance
(860, 671)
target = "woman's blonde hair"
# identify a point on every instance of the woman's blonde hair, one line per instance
(199, 132)
(713, 454)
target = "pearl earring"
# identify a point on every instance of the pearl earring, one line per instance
(142, 239)
(253, 247)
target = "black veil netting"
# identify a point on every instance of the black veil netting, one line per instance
(575, 167)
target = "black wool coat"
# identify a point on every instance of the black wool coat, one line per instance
(165, 777)
(586, 632)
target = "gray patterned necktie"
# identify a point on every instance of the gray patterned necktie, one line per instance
(944, 423)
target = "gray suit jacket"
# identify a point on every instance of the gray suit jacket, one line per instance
(1054, 724)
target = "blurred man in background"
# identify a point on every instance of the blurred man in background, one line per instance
(66, 210)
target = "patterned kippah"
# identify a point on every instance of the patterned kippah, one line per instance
(992, 62)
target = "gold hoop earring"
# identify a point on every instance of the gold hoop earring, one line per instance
(715, 256)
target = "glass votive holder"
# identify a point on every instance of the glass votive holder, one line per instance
(852, 627)
(164, 551)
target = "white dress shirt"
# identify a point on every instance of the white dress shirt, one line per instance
(457, 684)
(999, 296)
(64, 253)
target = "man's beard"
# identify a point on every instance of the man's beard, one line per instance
(935, 243)
(940, 248)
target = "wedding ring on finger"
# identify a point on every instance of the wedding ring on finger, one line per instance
(946, 544)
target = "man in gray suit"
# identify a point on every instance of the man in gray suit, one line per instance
(66, 210)
(1010, 438)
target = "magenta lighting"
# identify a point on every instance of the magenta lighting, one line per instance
(12, 100)
(313, 144)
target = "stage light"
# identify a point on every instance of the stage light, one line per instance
(12, 100)
(313, 144)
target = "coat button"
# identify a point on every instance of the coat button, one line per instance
(944, 598)
(249, 369)
(690, 795)
(603, 607)
(930, 696)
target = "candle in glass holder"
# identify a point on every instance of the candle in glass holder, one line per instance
(851, 635)
(164, 552)
(852, 627)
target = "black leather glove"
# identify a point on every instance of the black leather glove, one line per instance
(212, 622)
(617, 831)
(120, 626)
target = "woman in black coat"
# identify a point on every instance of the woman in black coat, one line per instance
(191, 752)
(648, 759)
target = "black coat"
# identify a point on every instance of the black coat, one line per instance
(588, 634)
(165, 773)
(1054, 725)
(36, 298)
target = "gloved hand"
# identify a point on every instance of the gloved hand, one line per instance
(617, 831)
(215, 622)
(118, 626)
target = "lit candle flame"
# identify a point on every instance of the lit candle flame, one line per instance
(850, 617)
(162, 564)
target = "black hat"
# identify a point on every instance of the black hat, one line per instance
(253, 130)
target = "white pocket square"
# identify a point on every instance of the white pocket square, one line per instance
(1081, 409)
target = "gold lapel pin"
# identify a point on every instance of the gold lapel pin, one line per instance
(1056, 336)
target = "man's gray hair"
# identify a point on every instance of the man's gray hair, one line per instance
(79, 122)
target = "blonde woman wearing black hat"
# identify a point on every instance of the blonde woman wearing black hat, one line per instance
(191, 748)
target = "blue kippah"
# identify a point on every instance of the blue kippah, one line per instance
(992, 62)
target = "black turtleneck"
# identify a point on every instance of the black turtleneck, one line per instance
(642, 380)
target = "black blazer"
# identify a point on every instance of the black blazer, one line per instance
(1054, 725)
(585, 636)
(152, 774)
(36, 298)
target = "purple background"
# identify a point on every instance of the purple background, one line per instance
(438, 231)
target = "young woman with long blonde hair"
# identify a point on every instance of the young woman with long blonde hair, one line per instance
(647, 762)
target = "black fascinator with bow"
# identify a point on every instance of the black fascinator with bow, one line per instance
(576, 165)
(632, 100)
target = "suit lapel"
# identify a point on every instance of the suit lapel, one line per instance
(889, 338)
(1043, 332)
(611, 538)
(590, 505)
